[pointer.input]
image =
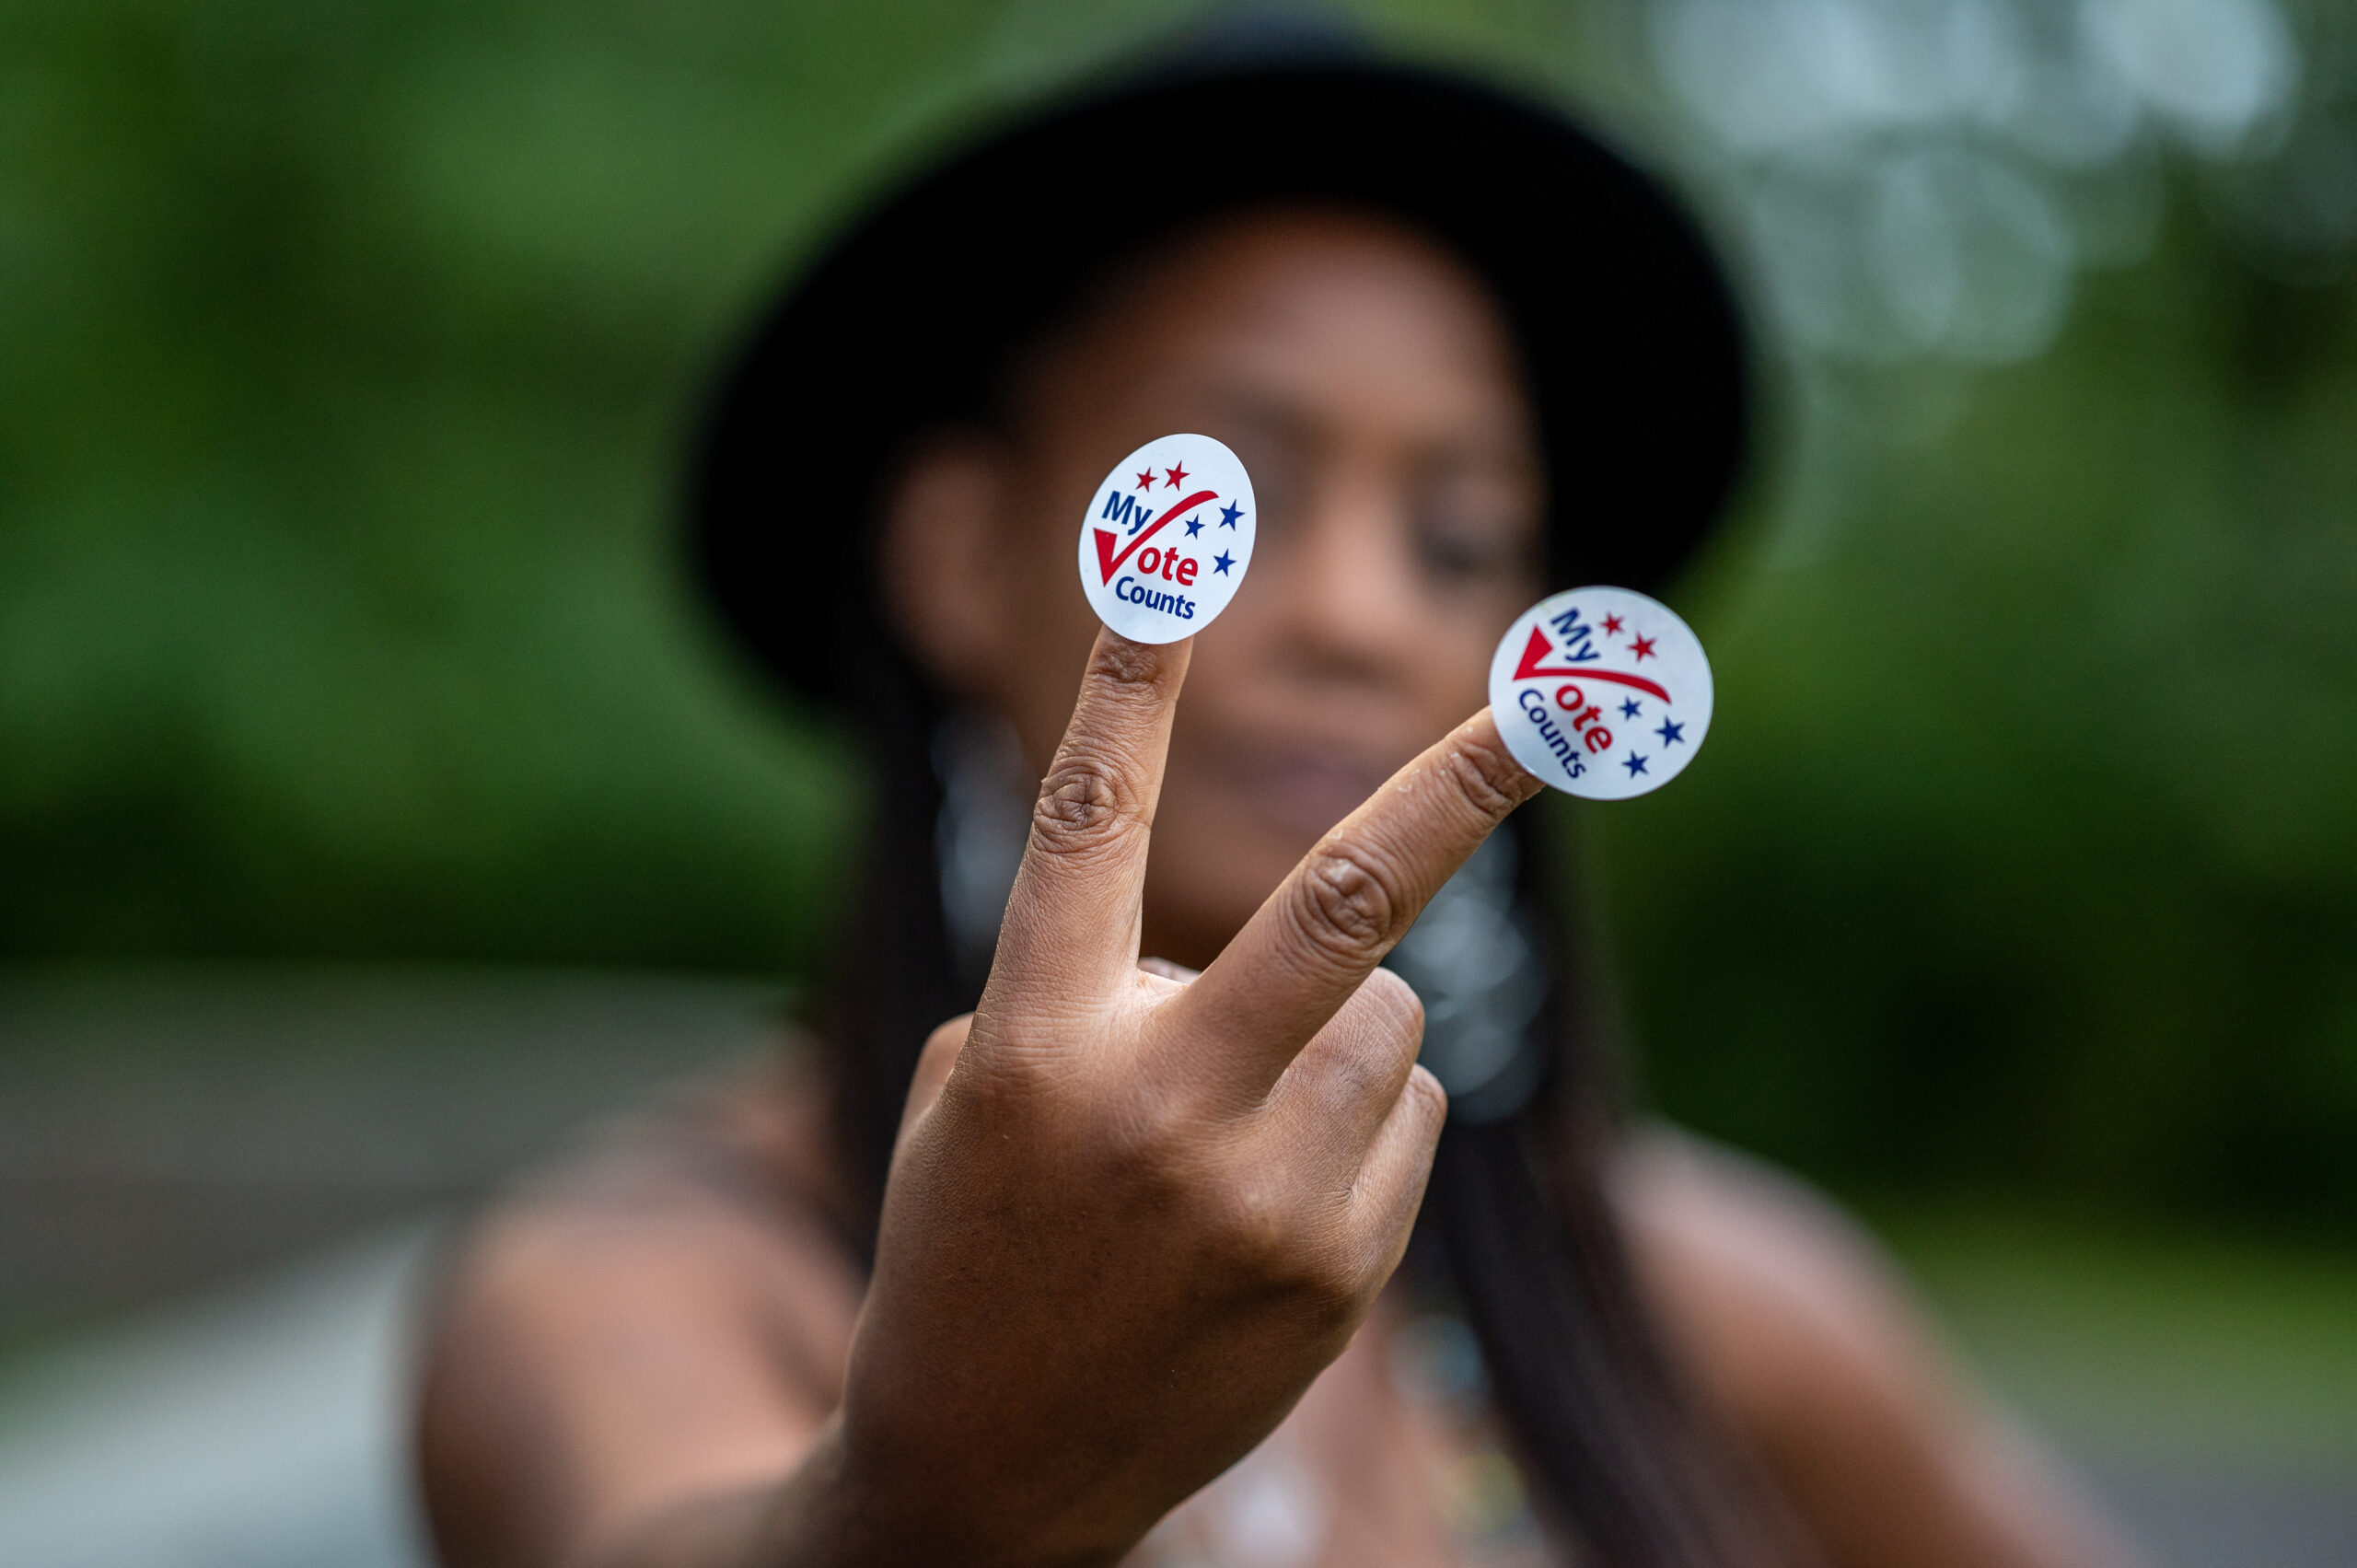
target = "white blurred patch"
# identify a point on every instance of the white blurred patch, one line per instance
(1266, 1511)
(269, 1430)
(1924, 179)
(2218, 72)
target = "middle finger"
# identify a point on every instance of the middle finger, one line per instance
(1306, 949)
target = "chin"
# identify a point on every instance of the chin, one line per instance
(1291, 800)
(1214, 864)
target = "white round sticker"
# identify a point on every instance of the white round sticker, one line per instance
(1167, 539)
(1601, 692)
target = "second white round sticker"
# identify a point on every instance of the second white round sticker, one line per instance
(1602, 692)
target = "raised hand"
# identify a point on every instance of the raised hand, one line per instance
(1132, 1216)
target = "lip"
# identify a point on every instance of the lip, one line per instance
(1302, 789)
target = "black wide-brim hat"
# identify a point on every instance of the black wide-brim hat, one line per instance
(1631, 343)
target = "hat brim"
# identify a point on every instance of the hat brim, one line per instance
(1630, 339)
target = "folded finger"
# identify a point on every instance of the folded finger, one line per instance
(1346, 1081)
(1398, 1165)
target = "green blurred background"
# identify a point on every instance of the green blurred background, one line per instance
(347, 346)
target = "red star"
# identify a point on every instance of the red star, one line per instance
(1177, 475)
(1643, 647)
(1145, 480)
(1612, 624)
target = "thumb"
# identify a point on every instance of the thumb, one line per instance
(940, 1055)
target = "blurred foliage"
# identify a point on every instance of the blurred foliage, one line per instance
(2200, 1346)
(345, 355)
(2027, 853)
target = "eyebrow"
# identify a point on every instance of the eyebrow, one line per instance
(1258, 406)
(1255, 406)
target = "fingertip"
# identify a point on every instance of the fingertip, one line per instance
(1425, 1090)
(949, 1038)
(1486, 770)
(935, 1064)
(1124, 663)
(1481, 730)
(1388, 989)
(1399, 1162)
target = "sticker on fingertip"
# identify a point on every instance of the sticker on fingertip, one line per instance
(1167, 539)
(1601, 692)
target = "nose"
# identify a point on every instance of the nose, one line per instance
(1347, 594)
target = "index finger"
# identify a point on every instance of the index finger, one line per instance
(1071, 928)
(1317, 937)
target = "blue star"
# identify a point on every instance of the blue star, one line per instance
(1221, 562)
(1631, 708)
(1671, 734)
(1634, 764)
(1194, 527)
(1228, 513)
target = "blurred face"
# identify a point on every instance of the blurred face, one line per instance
(1368, 384)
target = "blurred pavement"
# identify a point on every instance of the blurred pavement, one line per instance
(218, 1194)
(279, 1150)
(262, 1430)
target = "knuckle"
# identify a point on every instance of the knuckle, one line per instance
(1370, 1044)
(1275, 1244)
(1127, 672)
(1084, 806)
(1327, 1302)
(1348, 900)
(1291, 1246)
(1146, 1135)
(1006, 1087)
(1255, 1235)
(949, 1038)
(1423, 1097)
(1485, 773)
(1394, 1005)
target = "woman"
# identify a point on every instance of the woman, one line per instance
(1143, 1222)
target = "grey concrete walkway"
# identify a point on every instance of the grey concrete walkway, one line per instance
(217, 1190)
(263, 1429)
(218, 1195)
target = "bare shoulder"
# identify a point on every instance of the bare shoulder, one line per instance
(670, 1314)
(1792, 1322)
(1767, 1285)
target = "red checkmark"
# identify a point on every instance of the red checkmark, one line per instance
(1108, 562)
(1534, 662)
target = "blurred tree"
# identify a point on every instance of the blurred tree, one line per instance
(2029, 855)
(345, 355)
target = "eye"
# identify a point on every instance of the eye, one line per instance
(1275, 465)
(1474, 527)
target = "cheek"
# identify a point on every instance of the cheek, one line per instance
(1051, 648)
(1461, 631)
(1044, 631)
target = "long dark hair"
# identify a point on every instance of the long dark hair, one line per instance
(1626, 1471)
